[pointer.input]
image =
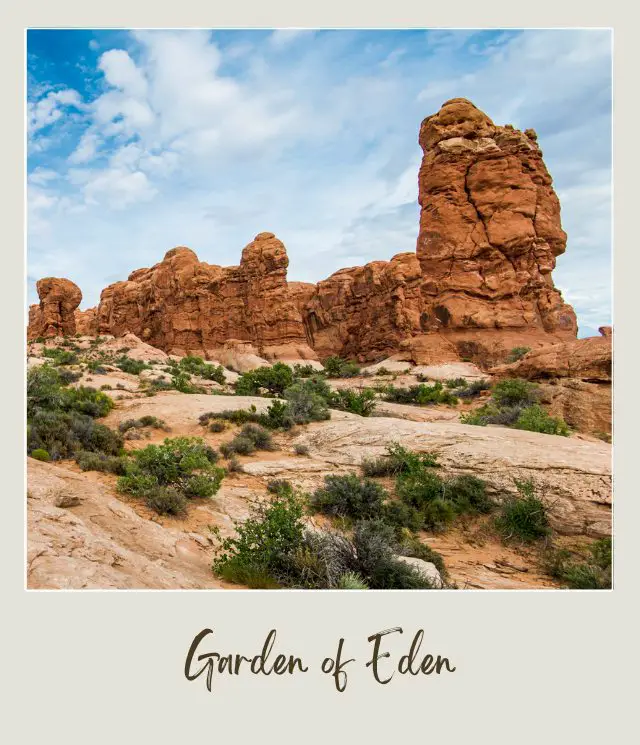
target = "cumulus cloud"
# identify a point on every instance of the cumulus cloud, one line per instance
(201, 139)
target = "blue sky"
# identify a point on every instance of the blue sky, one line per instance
(139, 141)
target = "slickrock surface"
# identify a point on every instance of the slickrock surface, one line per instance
(478, 284)
(573, 476)
(101, 542)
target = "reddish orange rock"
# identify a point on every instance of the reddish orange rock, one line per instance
(55, 315)
(478, 284)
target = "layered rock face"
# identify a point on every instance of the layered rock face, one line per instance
(478, 284)
(183, 304)
(55, 315)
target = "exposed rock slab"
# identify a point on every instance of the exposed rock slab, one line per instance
(572, 476)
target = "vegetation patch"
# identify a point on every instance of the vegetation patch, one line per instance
(523, 517)
(586, 569)
(420, 394)
(185, 464)
(336, 367)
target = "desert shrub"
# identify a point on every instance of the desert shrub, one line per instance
(240, 445)
(401, 515)
(181, 381)
(352, 581)
(217, 427)
(277, 416)
(304, 371)
(61, 356)
(261, 552)
(128, 365)
(44, 389)
(420, 394)
(517, 353)
(101, 462)
(375, 548)
(276, 486)
(301, 449)
(184, 463)
(469, 494)
(473, 389)
(604, 436)
(536, 419)
(40, 454)
(515, 392)
(234, 465)
(362, 402)
(96, 367)
(274, 380)
(259, 436)
(166, 500)
(336, 367)
(86, 400)
(349, 496)
(588, 569)
(63, 433)
(523, 517)
(419, 486)
(197, 366)
(397, 460)
(383, 371)
(307, 401)
(438, 514)
(69, 376)
(456, 383)
(235, 416)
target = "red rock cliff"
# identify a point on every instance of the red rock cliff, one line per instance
(478, 284)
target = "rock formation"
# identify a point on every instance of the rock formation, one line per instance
(575, 378)
(478, 284)
(55, 315)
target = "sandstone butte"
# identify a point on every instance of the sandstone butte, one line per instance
(478, 284)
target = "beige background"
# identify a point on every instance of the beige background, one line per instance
(543, 667)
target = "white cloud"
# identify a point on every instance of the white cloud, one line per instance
(48, 109)
(283, 37)
(94, 45)
(86, 149)
(118, 188)
(315, 141)
(42, 176)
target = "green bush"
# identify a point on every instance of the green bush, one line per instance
(61, 356)
(128, 365)
(588, 569)
(517, 353)
(40, 454)
(278, 416)
(101, 462)
(349, 496)
(63, 433)
(197, 366)
(469, 494)
(523, 517)
(217, 427)
(398, 460)
(413, 546)
(239, 445)
(307, 401)
(456, 383)
(401, 515)
(184, 463)
(301, 449)
(352, 581)
(514, 392)
(166, 500)
(336, 367)
(261, 552)
(420, 394)
(536, 419)
(304, 371)
(273, 379)
(375, 548)
(438, 514)
(362, 402)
